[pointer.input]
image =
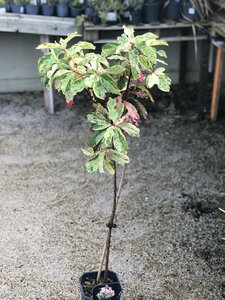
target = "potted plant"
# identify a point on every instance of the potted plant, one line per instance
(18, 6)
(3, 6)
(62, 8)
(89, 9)
(115, 80)
(196, 10)
(48, 8)
(76, 8)
(32, 8)
(151, 9)
(135, 8)
(172, 10)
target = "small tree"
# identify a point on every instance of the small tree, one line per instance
(115, 80)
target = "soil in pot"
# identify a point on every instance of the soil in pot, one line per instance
(172, 10)
(89, 289)
(151, 12)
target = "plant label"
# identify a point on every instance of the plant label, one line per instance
(191, 11)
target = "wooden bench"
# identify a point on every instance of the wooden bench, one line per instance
(42, 26)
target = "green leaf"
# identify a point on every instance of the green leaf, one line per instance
(95, 138)
(164, 83)
(118, 157)
(133, 58)
(101, 126)
(130, 129)
(49, 46)
(111, 106)
(93, 164)
(159, 71)
(60, 73)
(109, 49)
(109, 165)
(119, 140)
(101, 157)
(115, 70)
(108, 84)
(162, 53)
(88, 151)
(151, 80)
(156, 43)
(85, 46)
(144, 62)
(70, 37)
(98, 89)
(129, 31)
(108, 135)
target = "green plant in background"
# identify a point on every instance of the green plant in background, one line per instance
(2, 2)
(116, 80)
(75, 3)
(135, 5)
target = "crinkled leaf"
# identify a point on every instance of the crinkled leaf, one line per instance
(60, 73)
(145, 62)
(130, 129)
(129, 31)
(49, 46)
(159, 71)
(93, 164)
(98, 89)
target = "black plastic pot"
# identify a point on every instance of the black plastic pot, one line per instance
(115, 285)
(17, 9)
(151, 12)
(48, 10)
(172, 10)
(62, 10)
(32, 9)
(89, 12)
(76, 11)
(189, 12)
(135, 17)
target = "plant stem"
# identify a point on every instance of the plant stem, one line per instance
(104, 249)
(108, 241)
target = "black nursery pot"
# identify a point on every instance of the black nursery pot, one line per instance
(172, 10)
(89, 12)
(48, 10)
(75, 11)
(151, 12)
(189, 12)
(115, 285)
(135, 17)
(62, 10)
(17, 9)
(32, 9)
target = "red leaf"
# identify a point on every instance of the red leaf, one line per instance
(69, 104)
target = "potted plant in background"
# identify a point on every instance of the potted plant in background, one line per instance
(76, 8)
(48, 8)
(135, 9)
(3, 6)
(89, 9)
(32, 8)
(172, 10)
(62, 8)
(196, 10)
(116, 80)
(151, 9)
(114, 9)
(18, 6)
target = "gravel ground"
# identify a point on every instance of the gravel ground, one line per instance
(168, 244)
